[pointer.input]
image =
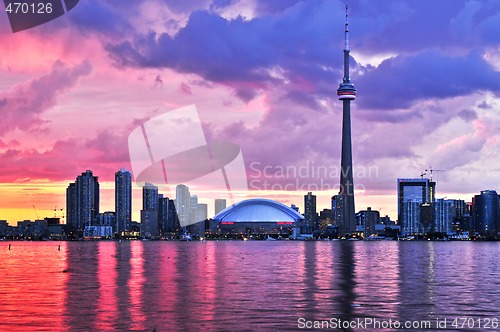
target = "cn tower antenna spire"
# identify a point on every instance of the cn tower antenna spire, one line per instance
(346, 29)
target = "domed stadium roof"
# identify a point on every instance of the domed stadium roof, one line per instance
(258, 210)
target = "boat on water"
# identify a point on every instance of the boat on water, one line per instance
(270, 238)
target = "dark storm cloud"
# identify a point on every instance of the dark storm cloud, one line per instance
(399, 82)
(101, 17)
(242, 53)
(305, 40)
(266, 6)
(412, 25)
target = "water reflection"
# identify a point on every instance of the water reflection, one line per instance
(135, 284)
(82, 286)
(107, 276)
(173, 286)
(377, 276)
(123, 269)
(346, 266)
(31, 292)
(416, 280)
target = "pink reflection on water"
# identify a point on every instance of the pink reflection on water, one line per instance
(324, 271)
(22, 275)
(208, 268)
(135, 285)
(107, 302)
(167, 277)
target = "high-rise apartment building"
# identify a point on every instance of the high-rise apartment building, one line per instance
(82, 202)
(485, 213)
(182, 204)
(123, 201)
(220, 204)
(310, 213)
(415, 196)
(149, 212)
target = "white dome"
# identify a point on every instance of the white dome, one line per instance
(258, 210)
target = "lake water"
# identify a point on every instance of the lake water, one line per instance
(254, 285)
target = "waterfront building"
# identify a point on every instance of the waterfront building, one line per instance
(149, 212)
(123, 201)
(82, 202)
(444, 215)
(182, 204)
(202, 216)
(485, 213)
(220, 204)
(71, 207)
(414, 217)
(107, 218)
(258, 216)
(368, 219)
(325, 219)
(97, 232)
(193, 210)
(166, 215)
(310, 214)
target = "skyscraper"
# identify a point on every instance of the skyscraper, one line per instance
(310, 214)
(166, 215)
(71, 206)
(182, 204)
(202, 217)
(193, 210)
(346, 92)
(82, 202)
(444, 214)
(220, 204)
(412, 195)
(123, 200)
(149, 212)
(485, 213)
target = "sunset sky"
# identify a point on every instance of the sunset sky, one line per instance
(263, 75)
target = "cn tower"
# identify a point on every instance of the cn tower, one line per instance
(346, 92)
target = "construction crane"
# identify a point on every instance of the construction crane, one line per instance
(434, 170)
(36, 213)
(422, 175)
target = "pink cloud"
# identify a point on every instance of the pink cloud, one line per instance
(22, 105)
(104, 154)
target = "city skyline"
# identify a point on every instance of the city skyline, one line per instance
(420, 214)
(429, 81)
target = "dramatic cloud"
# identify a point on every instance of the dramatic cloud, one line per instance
(21, 106)
(104, 153)
(245, 55)
(263, 75)
(295, 50)
(400, 81)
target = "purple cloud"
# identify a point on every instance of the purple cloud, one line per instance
(399, 82)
